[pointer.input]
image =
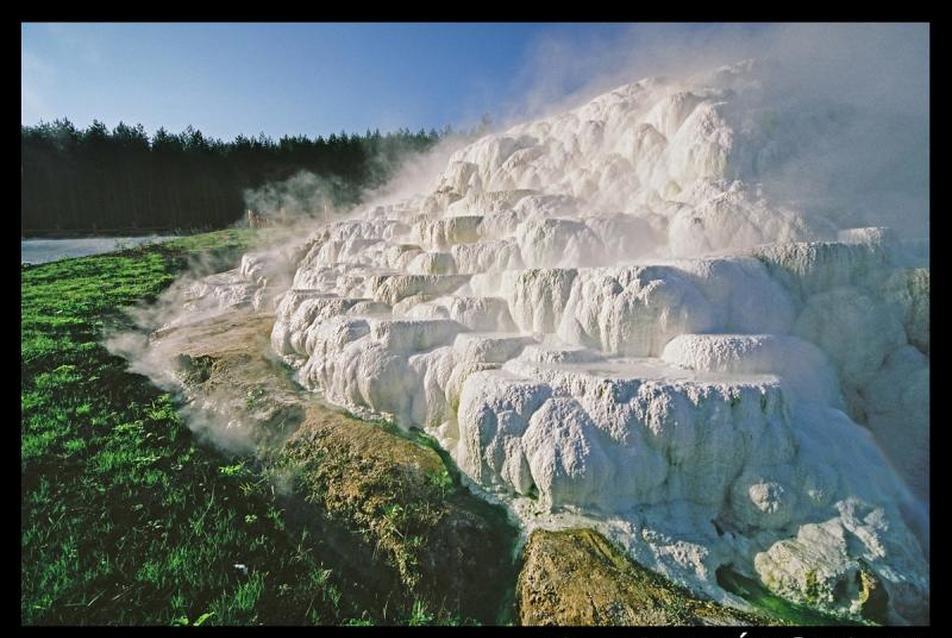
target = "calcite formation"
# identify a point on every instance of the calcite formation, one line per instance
(606, 322)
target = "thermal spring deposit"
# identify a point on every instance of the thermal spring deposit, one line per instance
(676, 315)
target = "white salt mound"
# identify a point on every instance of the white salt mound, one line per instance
(604, 320)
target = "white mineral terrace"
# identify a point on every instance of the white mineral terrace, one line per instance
(603, 321)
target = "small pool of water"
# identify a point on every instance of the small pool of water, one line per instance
(41, 251)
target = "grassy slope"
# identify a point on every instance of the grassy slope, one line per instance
(124, 518)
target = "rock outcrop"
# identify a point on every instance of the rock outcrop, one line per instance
(576, 577)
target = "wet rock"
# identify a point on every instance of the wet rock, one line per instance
(576, 577)
(874, 601)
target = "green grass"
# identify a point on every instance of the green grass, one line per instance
(125, 519)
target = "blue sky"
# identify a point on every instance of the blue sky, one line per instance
(317, 79)
(280, 79)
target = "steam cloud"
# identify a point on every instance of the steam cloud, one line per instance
(872, 78)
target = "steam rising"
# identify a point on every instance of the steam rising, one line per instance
(866, 85)
(303, 195)
(666, 308)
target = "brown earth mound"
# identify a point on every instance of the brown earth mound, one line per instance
(576, 577)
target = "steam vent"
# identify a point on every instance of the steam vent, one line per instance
(609, 321)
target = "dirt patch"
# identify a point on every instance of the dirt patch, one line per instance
(576, 577)
(435, 538)
(241, 396)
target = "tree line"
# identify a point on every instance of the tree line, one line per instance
(123, 180)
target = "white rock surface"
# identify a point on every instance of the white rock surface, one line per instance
(605, 321)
